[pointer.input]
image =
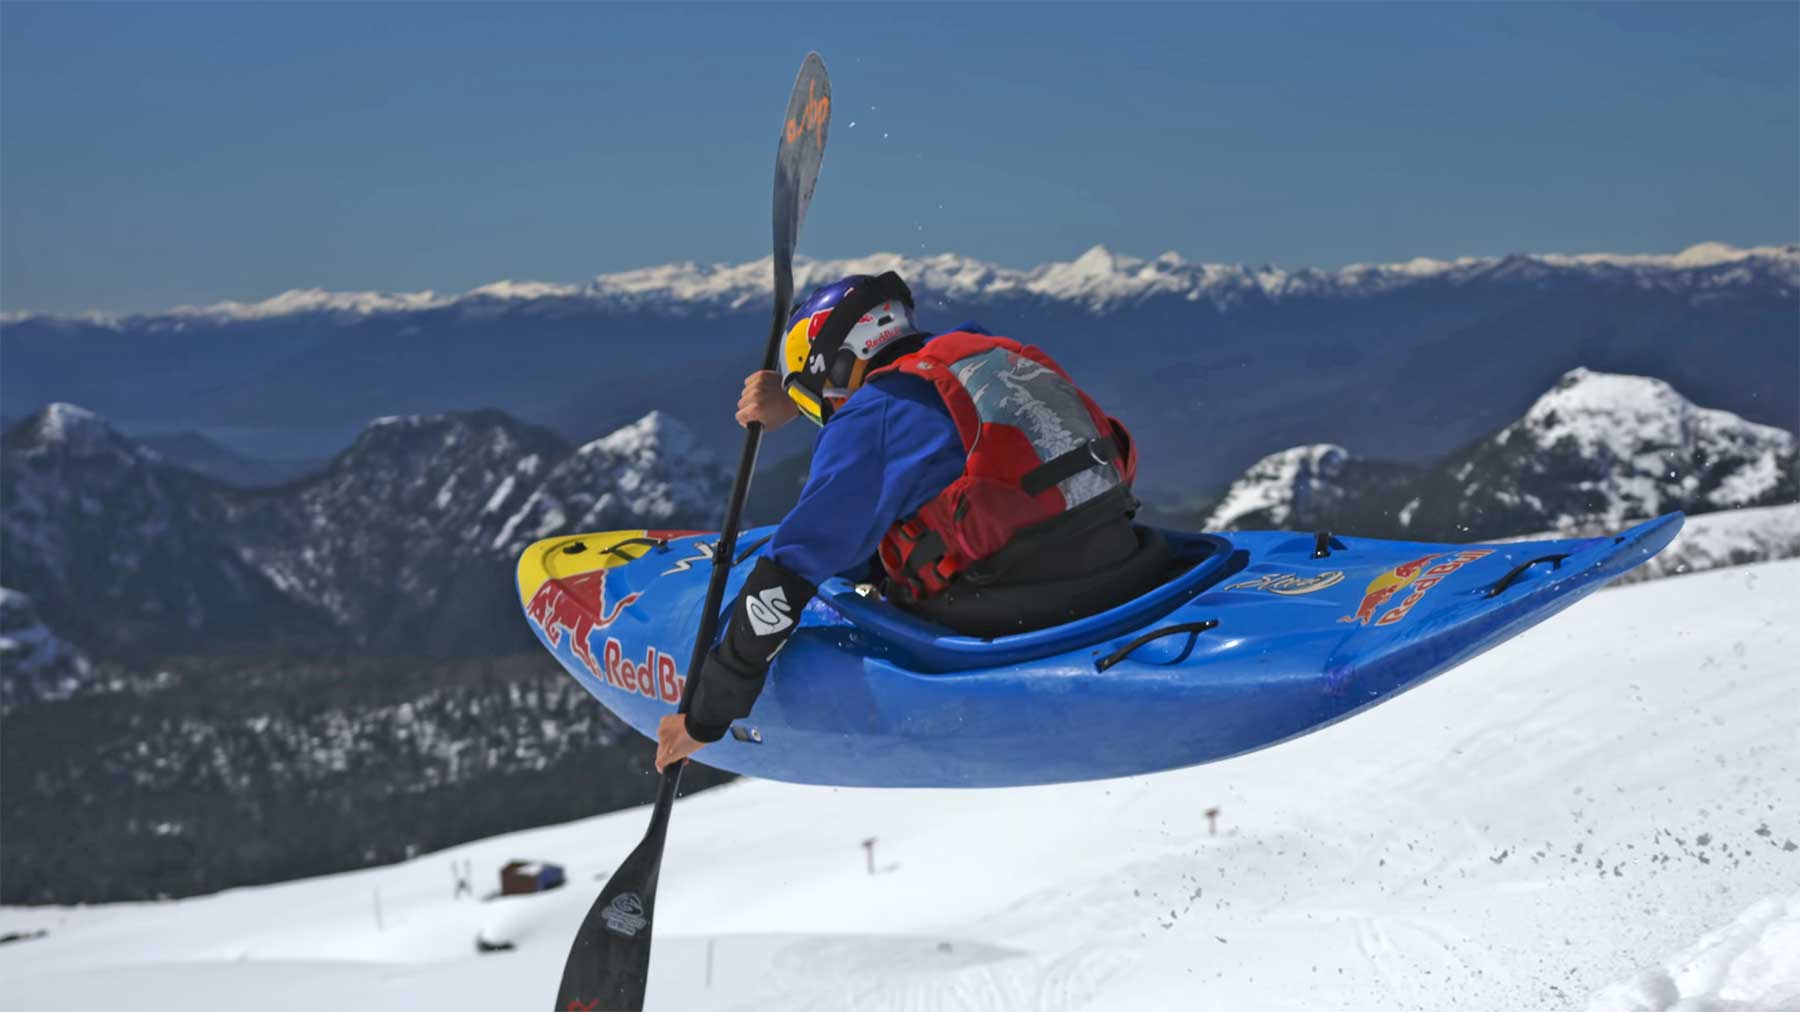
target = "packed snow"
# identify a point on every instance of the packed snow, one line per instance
(1747, 964)
(1600, 814)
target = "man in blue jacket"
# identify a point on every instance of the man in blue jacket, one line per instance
(970, 465)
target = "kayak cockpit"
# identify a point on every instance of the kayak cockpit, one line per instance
(1200, 560)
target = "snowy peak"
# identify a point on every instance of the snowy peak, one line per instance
(313, 300)
(422, 439)
(1595, 452)
(1644, 448)
(1101, 276)
(1602, 412)
(1281, 487)
(656, 435)
(70, 432)
(652, 472)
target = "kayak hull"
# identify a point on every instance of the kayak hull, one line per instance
(1261, 640)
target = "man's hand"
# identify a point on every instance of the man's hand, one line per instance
(673, 743)
(764, 401)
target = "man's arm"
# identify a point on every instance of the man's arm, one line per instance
(886, 452)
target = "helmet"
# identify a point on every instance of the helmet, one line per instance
(835, 335)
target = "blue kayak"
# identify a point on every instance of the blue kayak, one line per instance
(1264, 637)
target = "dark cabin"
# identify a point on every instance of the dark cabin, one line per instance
(529, 877)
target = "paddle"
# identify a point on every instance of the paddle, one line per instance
(609, 963)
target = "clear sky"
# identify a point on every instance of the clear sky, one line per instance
(159, 154)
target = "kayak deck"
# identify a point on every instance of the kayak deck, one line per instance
(1266, 636)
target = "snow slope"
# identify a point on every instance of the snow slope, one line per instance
(1604, 809)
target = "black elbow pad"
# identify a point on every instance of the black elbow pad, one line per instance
(765, 613)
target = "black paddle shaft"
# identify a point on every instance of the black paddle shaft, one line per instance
(609, 963)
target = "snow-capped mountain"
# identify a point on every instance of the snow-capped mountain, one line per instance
(652, 472)
(1092, 281)
(1209, 363)
(1605, 449)
(405, 537)
(112, 542)
(1294, 487)
(1593, 453)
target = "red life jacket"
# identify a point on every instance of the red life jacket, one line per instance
(1043, 463)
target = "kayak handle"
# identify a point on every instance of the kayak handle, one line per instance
(1193, 629)
(657, 544)
(1514, 573)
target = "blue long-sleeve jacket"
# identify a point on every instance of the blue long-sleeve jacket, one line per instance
(889, 450)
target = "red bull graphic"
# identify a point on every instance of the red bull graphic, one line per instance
(576, 605)
(1413, 577)
(656, 677)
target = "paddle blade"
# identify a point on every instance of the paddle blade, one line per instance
(797, 161)
(609, 965)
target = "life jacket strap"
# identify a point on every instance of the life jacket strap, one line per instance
(1060, 468)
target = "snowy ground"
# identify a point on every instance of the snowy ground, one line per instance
(1600, 814)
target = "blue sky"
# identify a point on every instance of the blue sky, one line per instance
(154, 154)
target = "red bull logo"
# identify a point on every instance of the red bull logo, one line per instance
(576, 606)
(656, 677)
(1413, 577)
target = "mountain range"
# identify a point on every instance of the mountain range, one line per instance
(404, 541)
(1210, 364)
(338, 663)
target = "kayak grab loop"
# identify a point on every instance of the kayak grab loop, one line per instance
(1513, 573)
(1193, 630)
(656, 544)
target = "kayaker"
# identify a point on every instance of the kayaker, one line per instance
(993, 495)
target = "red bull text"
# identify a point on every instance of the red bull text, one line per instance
(1413, 577)
(656, 677)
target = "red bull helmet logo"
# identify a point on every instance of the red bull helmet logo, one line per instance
(1413, 577)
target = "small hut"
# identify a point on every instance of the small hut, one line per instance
(529, 877)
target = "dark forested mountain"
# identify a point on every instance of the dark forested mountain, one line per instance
(1210, 364)
(206, 685)
(404, 541)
